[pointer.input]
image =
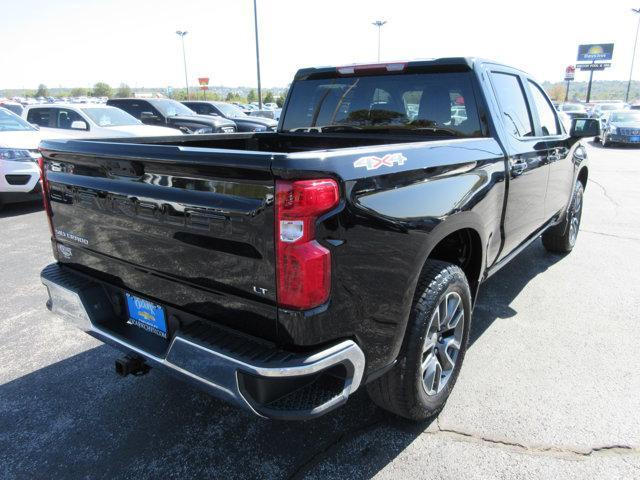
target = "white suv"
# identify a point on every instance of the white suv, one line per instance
(91, 120)
(19, 171)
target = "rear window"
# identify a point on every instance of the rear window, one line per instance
(424, 103)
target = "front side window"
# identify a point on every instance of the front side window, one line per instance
(546, 115)
(63, 118)
(513, 104)
(419, 103)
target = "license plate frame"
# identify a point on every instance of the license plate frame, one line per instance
(147, 315)
(634, 138)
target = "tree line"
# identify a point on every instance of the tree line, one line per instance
(600, 90)
(102, 89)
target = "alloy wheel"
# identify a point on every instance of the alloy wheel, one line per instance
(574, 222)
(442, 343)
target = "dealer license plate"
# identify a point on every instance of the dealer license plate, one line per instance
(146, 315)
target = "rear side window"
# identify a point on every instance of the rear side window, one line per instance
(133, 108)
(546, 114)
(421, 103)
(39, 116)
(513, 104)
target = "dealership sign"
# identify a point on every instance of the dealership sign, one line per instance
(599, 52)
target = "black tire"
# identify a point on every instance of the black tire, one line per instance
(562, 238)
(402, 390)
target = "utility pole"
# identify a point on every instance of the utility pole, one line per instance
(589, 86)
(635, 44)
(255, 23)
(181, 34)
(379, 24)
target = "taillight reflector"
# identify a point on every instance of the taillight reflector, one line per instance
(303, 265)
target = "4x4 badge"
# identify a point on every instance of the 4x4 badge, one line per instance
(373, 162)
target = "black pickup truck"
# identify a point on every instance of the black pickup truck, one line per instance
(284, 270)
(169, 113)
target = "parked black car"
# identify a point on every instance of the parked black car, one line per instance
(620, 126)
(282, 271)
(244, 122)
(166, 112)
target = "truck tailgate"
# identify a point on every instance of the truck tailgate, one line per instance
(188, 227)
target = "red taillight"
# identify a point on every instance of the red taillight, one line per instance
(44, 187)
(303, 265)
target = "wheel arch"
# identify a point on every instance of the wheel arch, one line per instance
(583, 176)
(458, 240)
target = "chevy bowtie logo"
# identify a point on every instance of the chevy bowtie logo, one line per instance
(373, 162)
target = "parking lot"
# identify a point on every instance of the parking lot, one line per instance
(550, 387)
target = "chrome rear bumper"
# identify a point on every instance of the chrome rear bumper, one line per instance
(263, 379)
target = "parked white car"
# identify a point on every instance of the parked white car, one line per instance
(91, 121)
(19, 171)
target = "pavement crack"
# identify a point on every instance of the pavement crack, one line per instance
(622, 237)
(544, 450)
(604, 191)
(314, 459)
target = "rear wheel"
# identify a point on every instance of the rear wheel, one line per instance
(435, 343)
(562, 238)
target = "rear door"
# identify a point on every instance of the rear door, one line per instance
(184, 227)
(527, 160)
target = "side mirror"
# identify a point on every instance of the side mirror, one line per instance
(585, 127)
(147, 116)
(79, 125)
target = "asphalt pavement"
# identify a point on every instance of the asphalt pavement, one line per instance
(550, 386)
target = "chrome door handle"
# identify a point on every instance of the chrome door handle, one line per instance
(518, 166)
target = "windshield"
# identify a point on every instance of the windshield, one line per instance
(625, 117)
(229, 110)
(171, 108)
(424, 103)
(572, 107)
(10, 122)
(110, 117)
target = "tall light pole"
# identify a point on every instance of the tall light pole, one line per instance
(181, 34)
(379, 24)
(255, 24)
(635, 44)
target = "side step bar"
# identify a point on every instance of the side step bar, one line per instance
(268, 381)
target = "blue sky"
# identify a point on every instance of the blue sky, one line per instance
(78, 43)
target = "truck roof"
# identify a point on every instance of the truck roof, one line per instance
(429, 64)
